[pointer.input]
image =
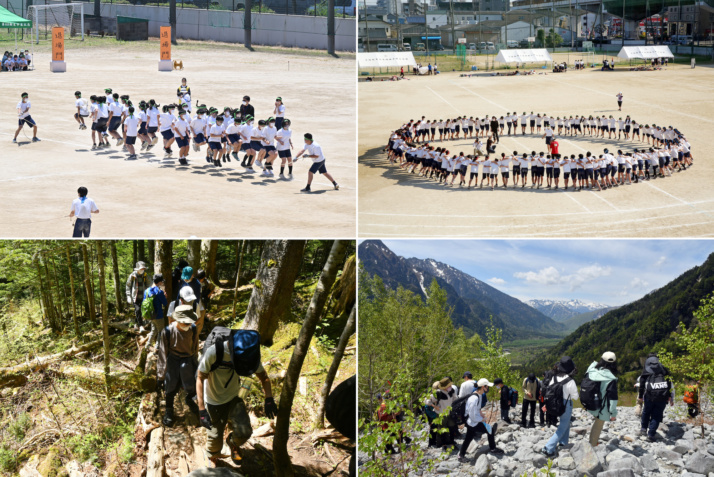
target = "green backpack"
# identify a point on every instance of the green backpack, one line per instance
(147, 308)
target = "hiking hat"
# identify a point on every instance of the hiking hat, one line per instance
(187, 295)
(609, 357)
(484, 382)
(566, 365)
(158, 278)
(497, 381)
(140, 265)
(435, 386)
(186, 273)
(445, 384)
(468, 374)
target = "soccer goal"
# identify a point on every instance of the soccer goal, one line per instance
(589, 58)
(69, 16)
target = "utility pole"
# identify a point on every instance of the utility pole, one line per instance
(366, 24)
(426, 30)
(453, 32)
(623, 23)
(399, 26)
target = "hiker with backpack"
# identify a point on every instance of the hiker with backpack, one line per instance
(691, 398)
(176, 278)
(229, 355)
(505, 400)
(655, 391)
(475, 421)
(467, 387)
(152, 308)
(531, 393)
(598, 393)
(176, 356)
(189, 280)
(135, 286)
(207, 289)
(442, 398)
(560, 393)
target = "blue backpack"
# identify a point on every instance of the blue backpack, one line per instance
(243, 349)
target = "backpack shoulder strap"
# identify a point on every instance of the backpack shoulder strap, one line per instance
(219, 354)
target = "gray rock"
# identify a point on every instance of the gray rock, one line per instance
(617, 473)
(700, 462)
(627, 463)
(539, 460)
(692, 474)
(649, 463)
(523, 454)
(689, 435)
(616, 455)
(710, 449)
(217, 472)
(668, 454)
(566, 462)
(482, 466)
(586, 460)
(447, 467)
(683, 446)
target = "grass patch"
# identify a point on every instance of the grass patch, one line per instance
(19, 426)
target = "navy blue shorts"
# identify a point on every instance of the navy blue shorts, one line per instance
(318, 167)
(142, 128)
(556, 172)
(152, 129)
(245, 146)
(199, 138)
(548, 139)
(114, 123)
(181, 141)
(216, 146)
(269, 148)
(101, 125)
(256, 146)
(532, 122)
(285, 153)
(131, 140)
(27, 120)
(233, 138)
(168, 134)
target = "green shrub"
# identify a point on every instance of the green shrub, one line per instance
(19, 426)
(8, 459)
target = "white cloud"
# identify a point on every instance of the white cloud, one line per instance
(637, 282)
(661, 261)
(551, 276)
(497, 281)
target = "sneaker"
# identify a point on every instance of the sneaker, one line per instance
(463, 459)
(120, 142)
(306, 189)
(496, 451)
(290, 177)
(643, 432)
(258, 163)
(168, 419)
(545, 453)
(337, 186)
(130, 157)
(652, 438)
(154, 141)
(144, 145)
(35, 139)
(148, 148)
(183, 161)
(235, 455)
(94, 147)
(235, 155)
(195, 147)
(14, 141)
(281, 176)
(265, 173)
(271, 173)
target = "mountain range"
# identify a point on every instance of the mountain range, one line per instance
(563, 310)
(472, 300)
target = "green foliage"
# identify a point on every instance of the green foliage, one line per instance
(545, 471)
(693, 356)
(635, 329)
(85, 447)
(374, 437)
(553, 40)
(8, 459)
(19, 426)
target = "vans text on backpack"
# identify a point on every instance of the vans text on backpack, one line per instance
(657, 388)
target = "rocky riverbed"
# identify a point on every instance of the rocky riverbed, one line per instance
(680, 449)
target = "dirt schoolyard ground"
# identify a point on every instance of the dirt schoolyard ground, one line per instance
(394, 203)
(149, 196)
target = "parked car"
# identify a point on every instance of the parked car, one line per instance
(386, 47)
(472, 46)
(407, 47)
(512, 44)
(420, 47)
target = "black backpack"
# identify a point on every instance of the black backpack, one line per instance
(243, 348)
(340, 408)
(514, 397)
(590, 395)
(458, 409)
(554, 405)
(657, 388)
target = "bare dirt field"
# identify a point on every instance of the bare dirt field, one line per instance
(394, 203)
(152, 197)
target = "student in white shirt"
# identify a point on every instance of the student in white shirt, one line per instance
(131, 130)
(153, 123)
(268, 153)
(475, 421)
(83, 208)
(23, 116)
(216, 132)
(565, 370)
(503, 165)
(314, 152)
(181, 129)
(198, 129)
(233, 134)
(524, 120)
(82, 109)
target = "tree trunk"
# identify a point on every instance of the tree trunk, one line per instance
(105, 315)
(163, 252)
(142, 252)
(43, 295)
(71, 288)
(155, 456)
(88, 284)
(209, 249)
(135, 253)
(281, 458)
(54, 323)
(339, 352)
(272, 295)
(194, 254)
(61, 292)
(240, 264)
(118, 289)
(118, 382)
(150, 256)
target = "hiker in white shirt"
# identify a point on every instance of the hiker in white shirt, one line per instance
(564, 371)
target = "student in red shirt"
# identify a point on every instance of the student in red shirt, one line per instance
(554, 146)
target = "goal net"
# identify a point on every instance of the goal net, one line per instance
(69, 16)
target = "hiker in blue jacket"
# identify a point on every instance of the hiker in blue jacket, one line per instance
(505, 393)
(605, 372)
(160, 304)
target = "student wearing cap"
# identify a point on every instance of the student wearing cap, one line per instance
(137, 282)
(475, 421)
(604, 372)
(23, 117)
(83, 207)
(82, 109)
(160, 304)
(279, 112)
(443, 396)
(563, 371)
(467, 387)
(177, 356)
(188, 279)
(314, 151)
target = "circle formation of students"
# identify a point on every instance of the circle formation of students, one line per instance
(412, 146)
(224, 133)
(553, 396)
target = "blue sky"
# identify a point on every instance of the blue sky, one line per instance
(611, 272)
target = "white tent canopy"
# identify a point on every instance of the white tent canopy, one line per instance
(645, 52)
(523, 56)
(386, 59)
